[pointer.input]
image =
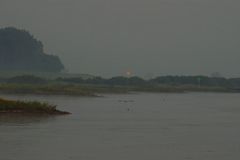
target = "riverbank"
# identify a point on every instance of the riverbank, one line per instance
(32, 107)
(97, 86)
(98, 90)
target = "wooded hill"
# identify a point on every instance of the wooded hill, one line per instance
(20, 51)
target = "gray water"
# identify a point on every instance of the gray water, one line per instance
(192, 126)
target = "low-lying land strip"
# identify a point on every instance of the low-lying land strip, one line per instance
(28, 84)
(34, 107)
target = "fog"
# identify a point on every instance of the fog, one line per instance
(148, 37)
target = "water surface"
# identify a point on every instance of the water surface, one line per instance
(192, 126)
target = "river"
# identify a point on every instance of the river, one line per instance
(141, 126)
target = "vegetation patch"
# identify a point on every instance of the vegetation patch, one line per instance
(33, 107)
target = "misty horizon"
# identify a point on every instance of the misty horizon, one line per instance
(149, 38)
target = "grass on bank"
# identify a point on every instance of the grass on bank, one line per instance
(12, 106)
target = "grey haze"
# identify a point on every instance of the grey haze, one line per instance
(149, 37)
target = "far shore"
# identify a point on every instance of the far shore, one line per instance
(98, 90)
(95, 86)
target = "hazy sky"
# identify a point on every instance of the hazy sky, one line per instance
(149, 37)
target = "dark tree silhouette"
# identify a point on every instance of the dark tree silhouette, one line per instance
(20, 51)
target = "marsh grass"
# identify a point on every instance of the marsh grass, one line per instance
(12, 106)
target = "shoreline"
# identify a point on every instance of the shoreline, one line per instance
(28, 107)
(98, 91)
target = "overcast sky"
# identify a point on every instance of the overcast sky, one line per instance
(148, 37)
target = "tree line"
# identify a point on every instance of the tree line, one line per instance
(161, 80)
(134, 81)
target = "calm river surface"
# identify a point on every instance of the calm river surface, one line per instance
(191, 126)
